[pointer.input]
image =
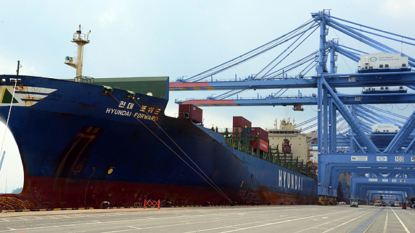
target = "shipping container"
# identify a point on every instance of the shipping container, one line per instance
(263, 145)
(255, 131)
(237, 129)
(240, 130)
(286, 146)
(190, 111)
(237, 132)
(248, 131)
(239, 121)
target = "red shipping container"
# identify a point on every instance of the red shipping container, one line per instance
(191, 112)
(237, 130)
(263, 145)
(239, 121)
(262, 133)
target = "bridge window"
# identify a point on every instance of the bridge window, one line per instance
(403, 65)
(386, 65)
(381, 66)
(371, 67)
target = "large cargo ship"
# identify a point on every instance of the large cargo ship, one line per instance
(107, 142)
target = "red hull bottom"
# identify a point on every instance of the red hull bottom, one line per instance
(48, 192)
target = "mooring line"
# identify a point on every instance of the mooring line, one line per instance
(8, 117)
(211, 183)
(187, 156)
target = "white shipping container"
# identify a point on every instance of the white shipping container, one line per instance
(385, 128)
(382, 61)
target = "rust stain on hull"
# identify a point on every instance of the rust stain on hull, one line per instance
(70, 193)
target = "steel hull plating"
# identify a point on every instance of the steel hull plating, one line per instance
(81, 148)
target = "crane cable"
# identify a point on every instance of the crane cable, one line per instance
(215, 186)
(250, 54)
(8, 116)
(342, 54)
(288, 68)
(208, 180)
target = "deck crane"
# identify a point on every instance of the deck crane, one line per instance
(328, 100)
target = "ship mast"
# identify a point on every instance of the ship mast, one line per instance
(80, 39)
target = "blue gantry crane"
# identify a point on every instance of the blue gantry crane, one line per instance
(398, 196)
(343, 120)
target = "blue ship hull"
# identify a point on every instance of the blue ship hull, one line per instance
(81, 148)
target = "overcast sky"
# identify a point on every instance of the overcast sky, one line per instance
(175, 38)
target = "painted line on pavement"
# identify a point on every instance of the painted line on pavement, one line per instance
(347, 216)
(228, 226)
(274, 223)
(120, 221)
(406, 229)
(366, 224)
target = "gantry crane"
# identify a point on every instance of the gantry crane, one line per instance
(331, 104)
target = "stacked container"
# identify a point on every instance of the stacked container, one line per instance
(263, 145)
(190, 111)
(241, 124)
(257, 131)
(263, 138)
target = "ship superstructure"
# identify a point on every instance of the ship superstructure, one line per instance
(300, 143)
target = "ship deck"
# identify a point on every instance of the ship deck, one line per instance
(340, 218)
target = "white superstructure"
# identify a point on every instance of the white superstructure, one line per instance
(385, 128)
(382, 61)
(300, 142)
(385, 89)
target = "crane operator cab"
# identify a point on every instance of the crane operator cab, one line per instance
(383, 62)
